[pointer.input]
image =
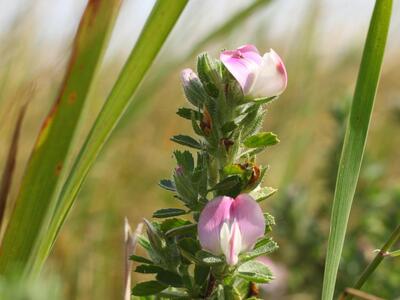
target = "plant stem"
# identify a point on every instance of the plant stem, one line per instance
(359, 294)
(394, 237)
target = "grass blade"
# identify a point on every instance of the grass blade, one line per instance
(48, 158)
(8, 171)
(157, 28)
(355, 139)
(393, 239)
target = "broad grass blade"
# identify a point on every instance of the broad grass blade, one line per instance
(157, 28)
(48, 158)
(355, 139)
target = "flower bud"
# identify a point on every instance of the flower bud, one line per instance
(193, 88)
(230, 226)
(208, 73)
(259, 76)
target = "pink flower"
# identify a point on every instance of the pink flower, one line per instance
(230, 226)
(259, 76)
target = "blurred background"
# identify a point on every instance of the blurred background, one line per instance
(321, 43)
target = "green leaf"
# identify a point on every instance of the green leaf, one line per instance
(265, 100)
(140, 259)
(49, 158)
(263, 193)
(187, 113)
(169, 224)
(234, 170)
(174, 294)
(255, 271)
(263, 247)
(169, 278)
(169, 212)
(189, 229)
(189, 247)
(167, 184)
(228, 127)
(201, 274)
(148, 269)
(208, 258)
(148, 288)
(355, 140)
(185, 160)
(261, 140)
(157, 28)
(228, 186)
(186, 140)
(269, 220)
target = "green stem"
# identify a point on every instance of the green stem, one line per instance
(394, 237)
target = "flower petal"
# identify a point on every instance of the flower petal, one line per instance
(250, 218)
(271, 79)
(243, 63)
(211, 220)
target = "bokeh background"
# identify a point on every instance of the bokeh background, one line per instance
(321, 44)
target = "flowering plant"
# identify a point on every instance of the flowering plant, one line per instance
(213, 253)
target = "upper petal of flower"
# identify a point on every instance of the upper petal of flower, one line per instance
(211, 221)
(272, 78)
(243, 63)
(250, 218)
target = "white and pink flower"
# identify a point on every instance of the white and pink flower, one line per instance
(230, 226)
(259, 76)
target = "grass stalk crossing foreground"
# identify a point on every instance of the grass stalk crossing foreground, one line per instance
(355, 140)
(43, 175)
(156, 30)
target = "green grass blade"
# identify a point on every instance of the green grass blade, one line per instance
(355, 139)
(42, 175)
(157, 28)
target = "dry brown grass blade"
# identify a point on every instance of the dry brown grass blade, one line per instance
(358, 294)
(6, 179)
(130, 246)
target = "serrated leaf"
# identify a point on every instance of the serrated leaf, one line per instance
(209, 258)
(261, 140)
(174, 294)
(148, 288)
(140, 259)
(189, 229)
(227, 183)
(185, 161)
(186, 140)
(265, 100)
(148, 269)
(263, 193)
(169, 212)
(169, 278)
(269, 219)
(187, 113)
(233, 170)
(167, 184)
(255, 271)
(201, 274)
(264, 247)
(228, 127)
(169, 224)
